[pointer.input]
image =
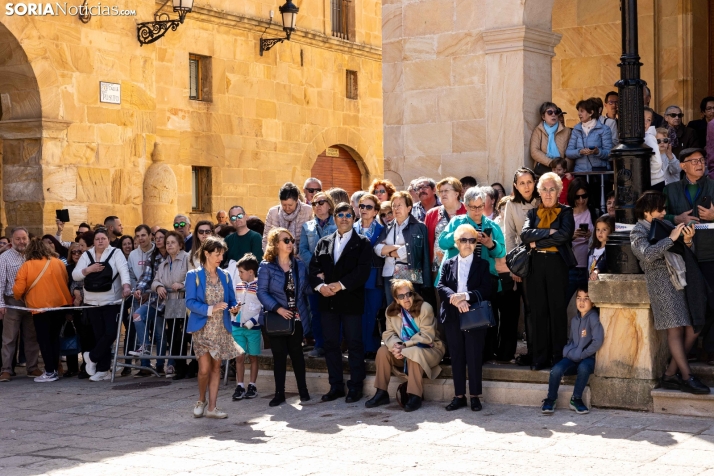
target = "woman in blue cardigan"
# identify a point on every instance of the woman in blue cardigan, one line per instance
(210, 297)
(283, 288)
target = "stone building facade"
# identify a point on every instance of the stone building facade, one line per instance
(261, 120)
(463, 79)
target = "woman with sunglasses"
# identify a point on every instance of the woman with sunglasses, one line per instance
(465, 279)
(386, 214)
(368, 226)
(548, 231)
(549, 139)
(411, 345)
(203, 230)
(283, 287)
(383, 189)
(680, 136)
(670, 163)
(323, 224)
(585, 217)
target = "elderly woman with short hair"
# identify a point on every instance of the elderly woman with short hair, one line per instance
(437, 219)
(548, 231)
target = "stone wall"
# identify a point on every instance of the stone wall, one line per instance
(267, 117)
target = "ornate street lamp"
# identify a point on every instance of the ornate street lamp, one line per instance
(151, 31)
(631, 157)
(289, 13)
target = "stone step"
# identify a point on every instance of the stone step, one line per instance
(704, 372)
(438, 390)
(675, 402)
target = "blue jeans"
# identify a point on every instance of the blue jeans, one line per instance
(316, 324)
(372, 304)
(147, 317)
(582, 369)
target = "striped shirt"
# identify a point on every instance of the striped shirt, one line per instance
(247, 293)
(10, 262)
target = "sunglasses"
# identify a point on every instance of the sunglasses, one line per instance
(180, 225)
(362, 206)
(663, 141)
(204, 232)
(551, 112)
(319, 203)
(680, 115)
(288, 241)
(582, 196)
(385, 215)
(313, 190)
(76, 252)
(380, 192)
(344, 215)
(471, 241)
(237, 217)
(405, 295)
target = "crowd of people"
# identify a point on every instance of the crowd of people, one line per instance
(383, 275)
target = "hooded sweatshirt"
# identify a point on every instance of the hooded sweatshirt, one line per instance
(586, 336)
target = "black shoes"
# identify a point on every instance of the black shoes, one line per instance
(671, 382)
(693, 385)
(334, 393)
(239, 393)
(523, 360)
(381, 397)
(476, 404)
(304, 396)
(414, 403)
(456, 403)
(277, 399)
(541, 366)
(353, 395)
(126, 371)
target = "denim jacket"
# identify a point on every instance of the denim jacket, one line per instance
(417, 244)
(271, 289)
(311, 234)
(196, 299)
(600, 136)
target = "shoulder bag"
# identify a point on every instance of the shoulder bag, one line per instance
(518, 261)
(277, 325)
(479, 315)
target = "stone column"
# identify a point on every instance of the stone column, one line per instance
(634, 354)
(518, 80)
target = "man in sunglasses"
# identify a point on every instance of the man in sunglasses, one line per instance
(244, 240)
(338, 271)
(311, 187)
(182, 224)
(680, 136)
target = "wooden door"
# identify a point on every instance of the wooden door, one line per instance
(338, 169)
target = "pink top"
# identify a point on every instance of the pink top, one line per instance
(580, 245)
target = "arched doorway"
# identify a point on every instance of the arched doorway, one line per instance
(335, 167)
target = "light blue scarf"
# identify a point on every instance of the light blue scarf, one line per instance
(553, 151)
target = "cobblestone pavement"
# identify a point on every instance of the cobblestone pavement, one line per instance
(78, 427)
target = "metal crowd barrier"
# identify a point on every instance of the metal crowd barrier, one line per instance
(161, 335)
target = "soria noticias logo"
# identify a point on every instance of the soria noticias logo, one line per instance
(57, 8)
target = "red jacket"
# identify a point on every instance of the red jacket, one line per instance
(431, 219)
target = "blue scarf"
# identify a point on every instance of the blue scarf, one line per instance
(553, 151)
(409, 329)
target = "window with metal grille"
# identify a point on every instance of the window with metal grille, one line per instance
(352, 89)
(201, 189)
(343, 14)
(199, 78)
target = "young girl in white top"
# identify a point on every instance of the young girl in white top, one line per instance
(597, 261)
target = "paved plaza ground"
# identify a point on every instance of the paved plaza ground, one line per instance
(77, 427)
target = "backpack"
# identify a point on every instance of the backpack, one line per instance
(101, 281)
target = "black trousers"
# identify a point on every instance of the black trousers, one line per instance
(104, 325)
(466, 350)
(707, 268)
(508, 304)
(47, 327)
(129, 329)
(352, 332)
(282, 346)
(546, 287)
(86, 339)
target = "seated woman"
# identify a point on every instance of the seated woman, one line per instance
(411, 344)
(463, 278)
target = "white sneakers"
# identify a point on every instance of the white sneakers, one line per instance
(216, 413)
(90, 367)
(140, 351)
(99, 376)
(47, 377)
(199, 408)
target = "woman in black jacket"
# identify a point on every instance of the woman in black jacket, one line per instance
(548, 231)
(464, 280)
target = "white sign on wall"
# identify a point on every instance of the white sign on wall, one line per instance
(109, 92)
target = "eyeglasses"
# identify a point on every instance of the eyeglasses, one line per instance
(76, 252)
(582, 196)
(344, 215)
(709, 108)
(476, 208)
(673, 115)
(319, 203)
(442, 191)
(237, 217)
(551, 112)
(422, 187)
(385, 215)
(362, 206)
(663, 141)
(288, 241)
(694, 161)
(380, 192)
(313, 190)
(180, 225)
(204, 232)
(547, 190)
(401, 297)
(471, 241)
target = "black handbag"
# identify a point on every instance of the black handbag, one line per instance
(479, 315)
(518, 261)
(276, 325)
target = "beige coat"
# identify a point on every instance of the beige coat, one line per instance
(514, 216)
(428, 358)
(175, 273)
(539, 144)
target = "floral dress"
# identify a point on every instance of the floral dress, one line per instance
(213, 338)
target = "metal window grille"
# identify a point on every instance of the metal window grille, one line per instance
(339, 19)
(194, 70)
(352, 87)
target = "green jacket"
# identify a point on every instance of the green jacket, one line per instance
(447, 243)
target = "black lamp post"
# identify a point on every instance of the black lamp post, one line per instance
(151, 31)
(631, 157)
(289, 13)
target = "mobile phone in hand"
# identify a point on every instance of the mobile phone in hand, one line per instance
(584, 227)
(706, 202)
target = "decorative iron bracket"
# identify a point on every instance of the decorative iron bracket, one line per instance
(267, 43)
(151, 31)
